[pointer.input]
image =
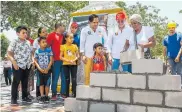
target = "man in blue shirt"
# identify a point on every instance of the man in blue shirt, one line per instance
(172, 44)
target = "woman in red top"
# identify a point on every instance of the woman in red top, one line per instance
(98, 60)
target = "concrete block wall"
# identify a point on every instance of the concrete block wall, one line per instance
(142, 91)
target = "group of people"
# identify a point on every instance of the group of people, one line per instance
(60, 53)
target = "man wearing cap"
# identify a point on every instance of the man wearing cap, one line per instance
(118, 42)
(90, 35)
(73, 29)
(172, 44)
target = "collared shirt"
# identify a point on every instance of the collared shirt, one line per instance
(116, 41)
(88, 38)
(22, 52)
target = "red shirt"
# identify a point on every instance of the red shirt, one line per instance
(55, 40)
(98, 63)
(31, 41)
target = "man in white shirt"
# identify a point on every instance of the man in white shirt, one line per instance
(118, 42)
(90, 35)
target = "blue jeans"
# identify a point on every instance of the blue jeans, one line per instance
(176, 68)
(57, 69)
(116, 63)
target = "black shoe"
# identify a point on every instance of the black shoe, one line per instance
(73, 96)
(14, 102)
(31, 97)
(42, 100)
(38, 98)
(47, 99)
(26, 99)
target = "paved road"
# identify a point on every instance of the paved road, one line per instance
(53, 106)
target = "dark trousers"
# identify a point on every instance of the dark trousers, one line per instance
(70, 69)
(19, 75)
(7, 75)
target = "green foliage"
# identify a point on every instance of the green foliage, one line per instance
(46, 13)
(37, 13)
(4, 45)
(180, 11)
(151, 17)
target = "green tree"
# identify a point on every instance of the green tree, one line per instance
(150, 15)
(37, 13)
(4, 45)
(180, 11)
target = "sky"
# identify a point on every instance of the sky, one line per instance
(169, 9)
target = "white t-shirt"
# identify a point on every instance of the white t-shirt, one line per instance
(142, 38)
(88, 38)
(7, 64)
(36, 43)
(116, 41)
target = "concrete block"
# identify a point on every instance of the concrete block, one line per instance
(149, 66)
(103, 79)
(157, 109)
(130, 108)
(145, 97)
(165, 82)
(69, 104)
(119, 95)
(80, 106)
(102, 107)
(173, 99)
(131, 81)
(86, 92)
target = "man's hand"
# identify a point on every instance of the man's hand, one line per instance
(142, 47)
(16, 67)
(84, 59)
(110, 60)
(176, 59)
(78, 61)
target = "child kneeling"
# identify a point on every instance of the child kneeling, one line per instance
(43, 61)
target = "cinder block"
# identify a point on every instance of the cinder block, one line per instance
(119, 95)
(173, 99)
(157, 109)
(80, 106)
(130, 108)
(131, 81)
(103, 79)
(102, 107)
(145, 97)
(150, 66)
(165, 82)
(69, 104)
(86, 92)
